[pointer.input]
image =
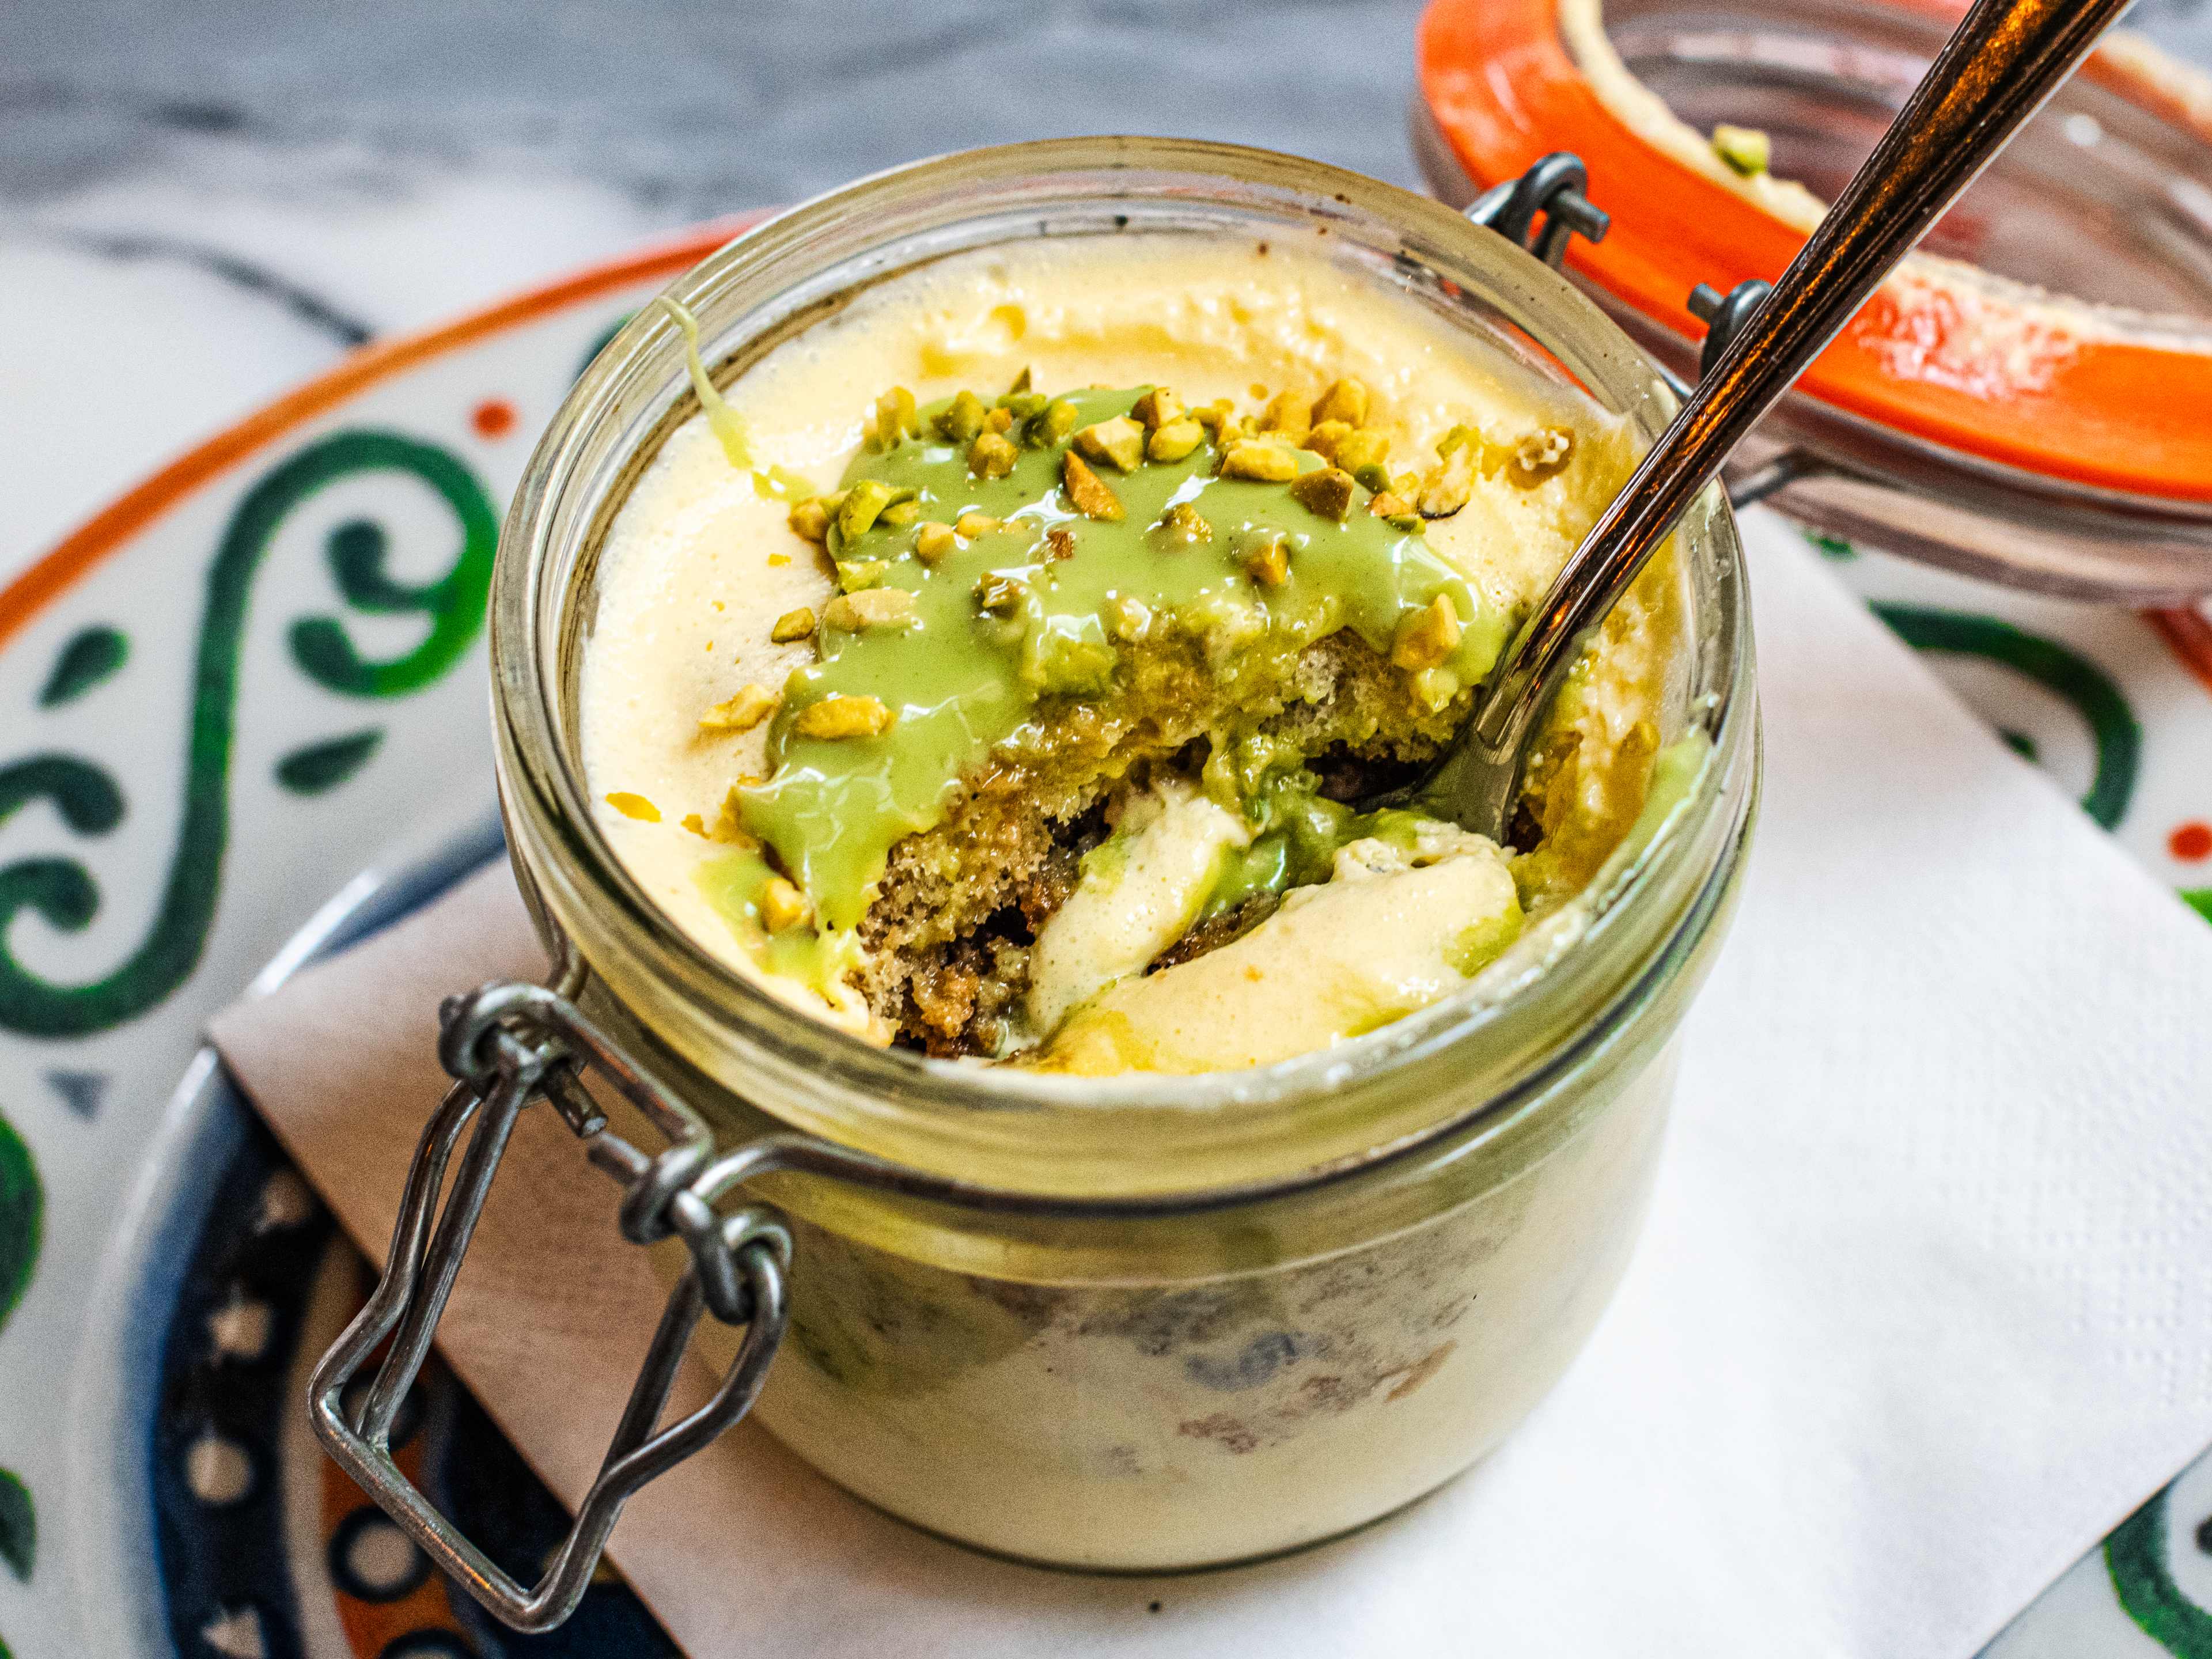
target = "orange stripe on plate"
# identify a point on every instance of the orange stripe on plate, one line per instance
(82, 550)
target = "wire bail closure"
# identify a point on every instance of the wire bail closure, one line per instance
(508, 1045)
(1553, 188)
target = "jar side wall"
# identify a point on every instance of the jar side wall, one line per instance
(1172, 1424)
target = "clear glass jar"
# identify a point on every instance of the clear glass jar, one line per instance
(1141, 1321)
(1942, 455)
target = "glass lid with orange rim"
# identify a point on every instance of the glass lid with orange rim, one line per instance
(2029, 397)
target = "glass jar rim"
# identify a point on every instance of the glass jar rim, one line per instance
(951, 1120)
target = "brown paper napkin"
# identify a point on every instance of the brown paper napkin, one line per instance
(554, 1311)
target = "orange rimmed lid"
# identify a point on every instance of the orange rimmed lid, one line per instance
(2038, 382)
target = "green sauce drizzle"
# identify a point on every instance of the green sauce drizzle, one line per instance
(731, 883)
(964, 684)
(1305, 833)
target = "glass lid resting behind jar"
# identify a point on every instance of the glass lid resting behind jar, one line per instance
(2029, 399)
(1550, 1003)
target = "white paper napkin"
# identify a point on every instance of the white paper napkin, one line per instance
(1922, 1309)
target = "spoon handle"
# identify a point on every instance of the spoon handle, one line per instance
(2006, 57)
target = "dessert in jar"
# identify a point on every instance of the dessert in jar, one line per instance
(1028, 723)
(944, 660)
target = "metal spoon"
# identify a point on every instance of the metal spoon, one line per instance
(2006, 57)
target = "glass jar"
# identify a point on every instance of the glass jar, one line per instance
(1146, 1323)
(1973, 416)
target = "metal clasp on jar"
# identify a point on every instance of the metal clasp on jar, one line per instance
(1552, 191)
(508, 1046)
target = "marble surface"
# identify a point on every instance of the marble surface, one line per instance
(259, 185)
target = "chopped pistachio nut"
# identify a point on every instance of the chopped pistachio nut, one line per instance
(1428, 637)
(1326, 436)
(1182, 525)
(1448, 485)
(810, 521)
(901, 512)
(1021, 384)
(1059, 544)
(1325, 492)
(1118, 443)
(1358, 450)
(633, 806)
(1089, 493)
(1542, 453)
(969, 525)
(1175, 440)
(1210, 416)
(1052, 424)
(876, 607)
(961, 422)
(1023, 406)
(1263, 463)
(741, 713)
(1747, 149)
(782, 906)
(864, 504)
(729, 823)
(1000, 420)
(1373, 477)
(1128, 618)
(1460, 437)
(857, 575)
(1344, 400)
(843, 717)
(1289, 415)
(998, 595)
(1435, 687)
(1157, 408)
(896, 418)
(1266, 558)
(992, 456)
(1385, 504)
(933, 541)
(792, 625)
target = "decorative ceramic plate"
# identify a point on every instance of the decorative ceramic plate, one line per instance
(260, 675)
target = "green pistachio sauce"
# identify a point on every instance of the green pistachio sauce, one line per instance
(964, 683)
(1303, 835)
(731, 883)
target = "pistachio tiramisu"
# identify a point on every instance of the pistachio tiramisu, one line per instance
(993, 667)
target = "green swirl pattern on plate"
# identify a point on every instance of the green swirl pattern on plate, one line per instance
(22, 1217)
(64, 892)
(2111, 723)
(2135, 1555)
